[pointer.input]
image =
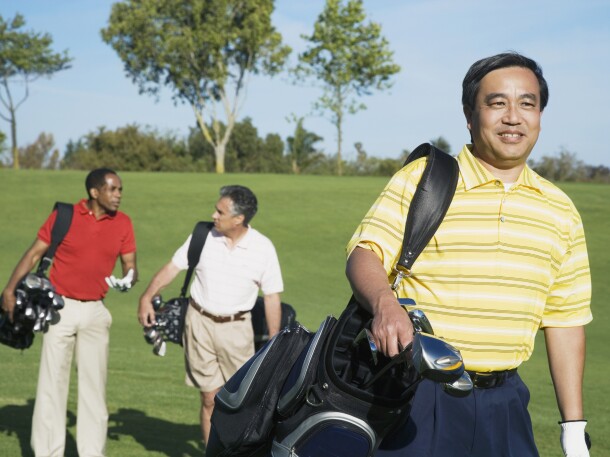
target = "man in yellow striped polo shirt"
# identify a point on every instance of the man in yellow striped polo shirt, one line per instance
(509, 258)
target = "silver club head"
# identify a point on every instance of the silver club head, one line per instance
(46, 285)
(436, 359)
(58, 302)
(460, 388)
(420, 321)
(31, 282)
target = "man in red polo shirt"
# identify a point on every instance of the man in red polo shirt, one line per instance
(82, 273)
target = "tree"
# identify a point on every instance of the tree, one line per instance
(203, 50)
(24, 57)
(564, 167)
(442, 144)
(349, 57)
(129, 148)
(302, 146)
(40, 154)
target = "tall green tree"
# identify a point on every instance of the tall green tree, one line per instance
(203, 50)
(302, 146)
(349, 57)
(24, 57)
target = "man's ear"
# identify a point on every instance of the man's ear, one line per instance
(239, 220)
(94, 193)
(468, 115)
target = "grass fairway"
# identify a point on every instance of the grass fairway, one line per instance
(309, 219)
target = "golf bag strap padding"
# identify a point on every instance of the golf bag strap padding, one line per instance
(200, 234)
(61, 226)
(430, 202)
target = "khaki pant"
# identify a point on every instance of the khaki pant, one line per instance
(214, 351)
(83, 330)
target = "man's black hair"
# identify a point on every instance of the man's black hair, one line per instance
(243, 199)
(478, 70)
(97, 178)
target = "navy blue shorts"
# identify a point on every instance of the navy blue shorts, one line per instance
(489, 422)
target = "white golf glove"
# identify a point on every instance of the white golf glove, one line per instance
(573, 441)
(123, 284)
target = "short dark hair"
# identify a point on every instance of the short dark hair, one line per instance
(478, 70)
(243, 199)
(97, 178)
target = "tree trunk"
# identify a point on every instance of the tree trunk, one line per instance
(339, 142)
(295, 167)
(14, 148)
(219, 152)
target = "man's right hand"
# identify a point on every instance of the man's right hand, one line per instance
(8, 303)
(391, 327)
(146, 312)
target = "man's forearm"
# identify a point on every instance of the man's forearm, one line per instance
(391, 327)
(566, 355)
(368, 279)
(273, 313)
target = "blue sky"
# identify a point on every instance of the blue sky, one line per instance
(434, 41)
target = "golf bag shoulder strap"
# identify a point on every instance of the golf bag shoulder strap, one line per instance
(61, 226)
(430, 202)
(200, 234)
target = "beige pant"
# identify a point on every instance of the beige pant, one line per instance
(83, 330)
(213, 352)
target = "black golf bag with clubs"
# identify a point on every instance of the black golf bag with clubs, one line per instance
(36, 303)
(340, 398)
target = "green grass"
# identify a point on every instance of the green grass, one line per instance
(309, 219)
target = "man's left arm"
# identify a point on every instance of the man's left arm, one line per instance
(273, 313)
(566, 350)
(128, 262)
(566, 353)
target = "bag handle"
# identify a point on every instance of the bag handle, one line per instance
(200, 234)
(429, 205)
(62, 223)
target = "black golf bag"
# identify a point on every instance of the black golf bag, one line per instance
(329, 406)
(244, 408)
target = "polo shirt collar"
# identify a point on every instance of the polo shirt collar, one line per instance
(83, 209)
(243, 243)
(475, 175)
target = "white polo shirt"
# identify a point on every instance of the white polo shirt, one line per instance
(227, 281)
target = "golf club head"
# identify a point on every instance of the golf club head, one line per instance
(460, 388)
(157, 301)
(29, 312)
(160, 347)
(366, 335)
(58, 302)
(20, 298)
(45, 285)
(151, 335)
(38, 325)
(31, 281)
(420, 321)
(436, 359)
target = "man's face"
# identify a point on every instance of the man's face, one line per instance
(505, 121)
(108, 196)
(224, 220)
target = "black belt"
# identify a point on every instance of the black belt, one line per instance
(219, 319)
(490, 379)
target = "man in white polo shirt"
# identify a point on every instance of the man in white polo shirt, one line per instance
(235, 263)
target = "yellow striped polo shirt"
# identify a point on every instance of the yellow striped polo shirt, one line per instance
(501, 265)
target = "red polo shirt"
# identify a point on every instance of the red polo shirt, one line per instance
(89, 251)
